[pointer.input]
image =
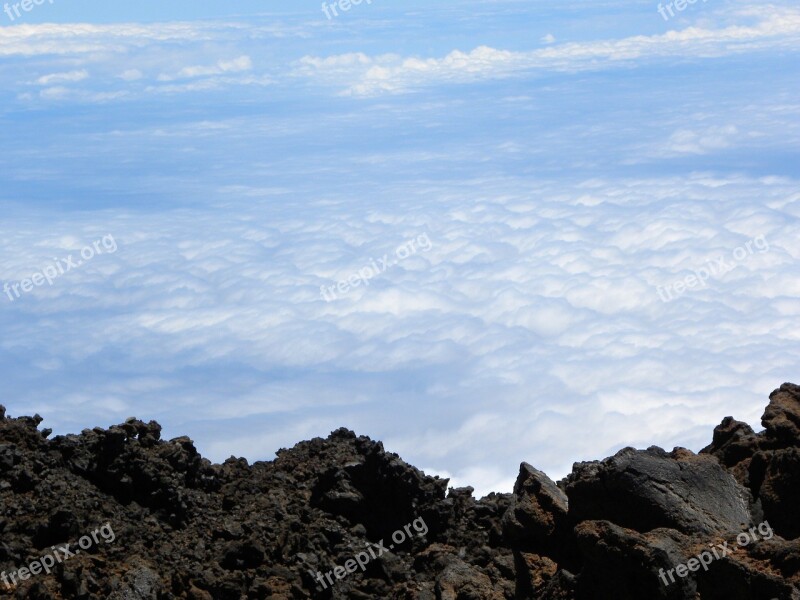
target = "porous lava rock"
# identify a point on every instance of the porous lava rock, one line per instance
(188, 529)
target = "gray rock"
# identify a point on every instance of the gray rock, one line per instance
(648, 489)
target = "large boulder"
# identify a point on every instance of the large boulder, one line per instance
(623, 564)
(649, 489)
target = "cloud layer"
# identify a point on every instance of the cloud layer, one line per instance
(774, 29)
(567, 189)
(533, 327)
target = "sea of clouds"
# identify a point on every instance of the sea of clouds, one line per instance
(559, 187)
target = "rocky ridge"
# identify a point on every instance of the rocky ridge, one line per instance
(624, 528)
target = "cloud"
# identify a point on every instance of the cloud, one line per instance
(777, 28)
(61, 93)
(131, 75)
(686, 141)
(236, 65)
(71, 76)
(530, 296)
(55, 93)
(190, 57)
(84, 38)
(532, 330)
(190, 51)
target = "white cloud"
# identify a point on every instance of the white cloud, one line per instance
(208, 84)
(686, 141)
(236, 65)
(532, 330)
(180, 51)
(71, 77)
(86, 38)
(776, 28)
(83, 38)
(131, 75)
(61, 93)
(55, 93)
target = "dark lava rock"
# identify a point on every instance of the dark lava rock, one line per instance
(538, 511)
(342, 518)
(648, 489)
(768, 463)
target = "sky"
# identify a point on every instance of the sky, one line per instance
(481, 231)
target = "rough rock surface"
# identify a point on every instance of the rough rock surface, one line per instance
(768, 463)
(645, 490)
(620, 528)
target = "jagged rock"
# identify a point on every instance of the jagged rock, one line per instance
(188, 529)
(782, 417)
(537, 527)
(534, 574)
(564, 586)
(776, 481)
(626, 565)
(732, 443)
(768, 463)
(456, 579)
(538, 510)
(623, 564)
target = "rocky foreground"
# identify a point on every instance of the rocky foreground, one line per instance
(322, 521)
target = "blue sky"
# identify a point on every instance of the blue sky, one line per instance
(567, 163)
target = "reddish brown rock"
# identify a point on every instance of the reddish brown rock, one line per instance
(188, 529)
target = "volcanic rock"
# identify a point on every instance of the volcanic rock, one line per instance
(648, 489)
(340, 518)
(768, 463)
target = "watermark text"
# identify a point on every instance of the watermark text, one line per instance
(60, 267)
(59, 555)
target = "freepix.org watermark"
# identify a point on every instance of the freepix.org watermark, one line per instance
(677, 5)
(62, 266)
(362, 559)
(330, 9)
(59, 555)
(716, 268)
(718, 551)
(25, 5)
(363, 276)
